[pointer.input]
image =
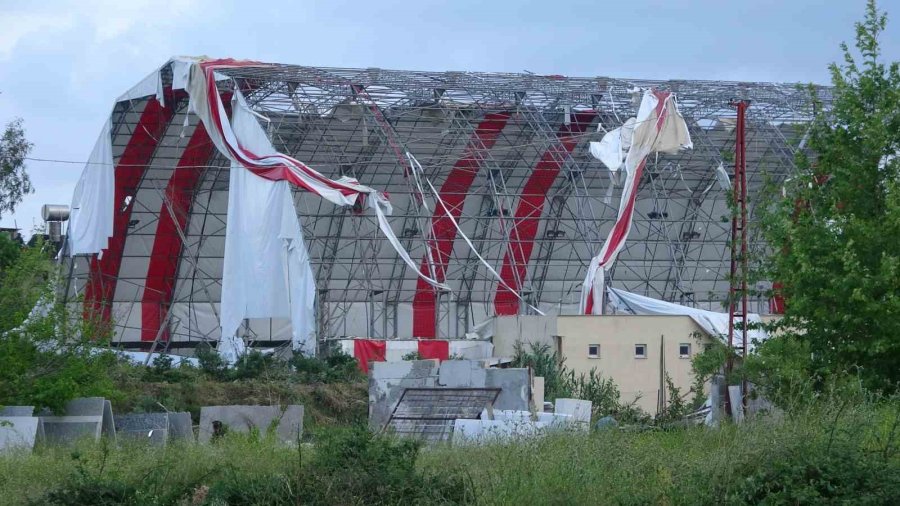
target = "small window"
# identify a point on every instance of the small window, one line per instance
(640, 351)
(684, 350)
(593, 351)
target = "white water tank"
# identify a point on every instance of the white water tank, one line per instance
(55, 212)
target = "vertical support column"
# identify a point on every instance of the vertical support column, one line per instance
(739, 260)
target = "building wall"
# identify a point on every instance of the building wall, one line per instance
(617, 336)
(637, 378)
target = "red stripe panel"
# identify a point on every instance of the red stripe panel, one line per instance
(368, 350)
(167, 245)
(453, 194)
(530, 208)
(101, 285)
(434, 348)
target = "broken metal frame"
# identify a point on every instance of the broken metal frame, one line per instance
(676, 251)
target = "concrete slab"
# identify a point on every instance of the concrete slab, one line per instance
(180, 426)
(462, 373)
(387, 380)
(578, 409)
(152, 428)
(551, 419)
(515, 385)
(537, 393)
(87, 417)
(287, 421)
(18, 433)
(17, 411)
(493, 431)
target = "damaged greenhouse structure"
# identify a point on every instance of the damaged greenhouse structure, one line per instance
(256, 204)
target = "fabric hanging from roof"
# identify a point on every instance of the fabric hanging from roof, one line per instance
(611, 150)
(91, 217)
(275, 166)
(658, 127)
(714, 323)
(266, 273)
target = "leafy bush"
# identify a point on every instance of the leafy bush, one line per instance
(336, 367)
(547, 364)
(211, 363)
(561, 382)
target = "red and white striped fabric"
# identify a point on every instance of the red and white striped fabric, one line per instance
(275, 166)
(659, 127)
(393, 350)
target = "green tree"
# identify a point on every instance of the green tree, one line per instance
(835, 231)
(46, 355)
(14, 181)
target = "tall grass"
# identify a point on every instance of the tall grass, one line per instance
(836, 449)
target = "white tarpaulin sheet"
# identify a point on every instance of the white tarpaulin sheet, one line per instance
(714, 323)
(91, 215)
(266, 272)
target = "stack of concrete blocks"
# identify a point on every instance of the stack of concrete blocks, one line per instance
(579, 410)
(156, 428)
(19, 429)
(84, 418)
(287, 421)
(388, 380)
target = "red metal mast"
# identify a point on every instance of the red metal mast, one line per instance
(739, 260)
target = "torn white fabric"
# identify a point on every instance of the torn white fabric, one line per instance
(714, 323)
(266, 272)
(91, 216)
(273, 165)
(658, 127)
(231, 348)
(150, 85)
(611, 150)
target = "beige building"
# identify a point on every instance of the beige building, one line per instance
(635, 351)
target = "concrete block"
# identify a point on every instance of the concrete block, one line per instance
(17, 411)
(288, 422)
(20, 433)
(515, 385)
(493, 431)
(152, 428)
(462, 373)
(387, 381)
(537, 393)
(181, 427)
(737, 408)
(578, 409)
(87, 417)
(524, 329)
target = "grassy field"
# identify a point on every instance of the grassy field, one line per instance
(834, 451)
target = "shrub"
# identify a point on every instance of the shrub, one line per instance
(337, 367)
(210, 362)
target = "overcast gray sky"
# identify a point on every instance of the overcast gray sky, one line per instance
(62, 63)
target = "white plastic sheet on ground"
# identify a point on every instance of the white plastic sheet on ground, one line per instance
(91, 215)
(714, 323)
